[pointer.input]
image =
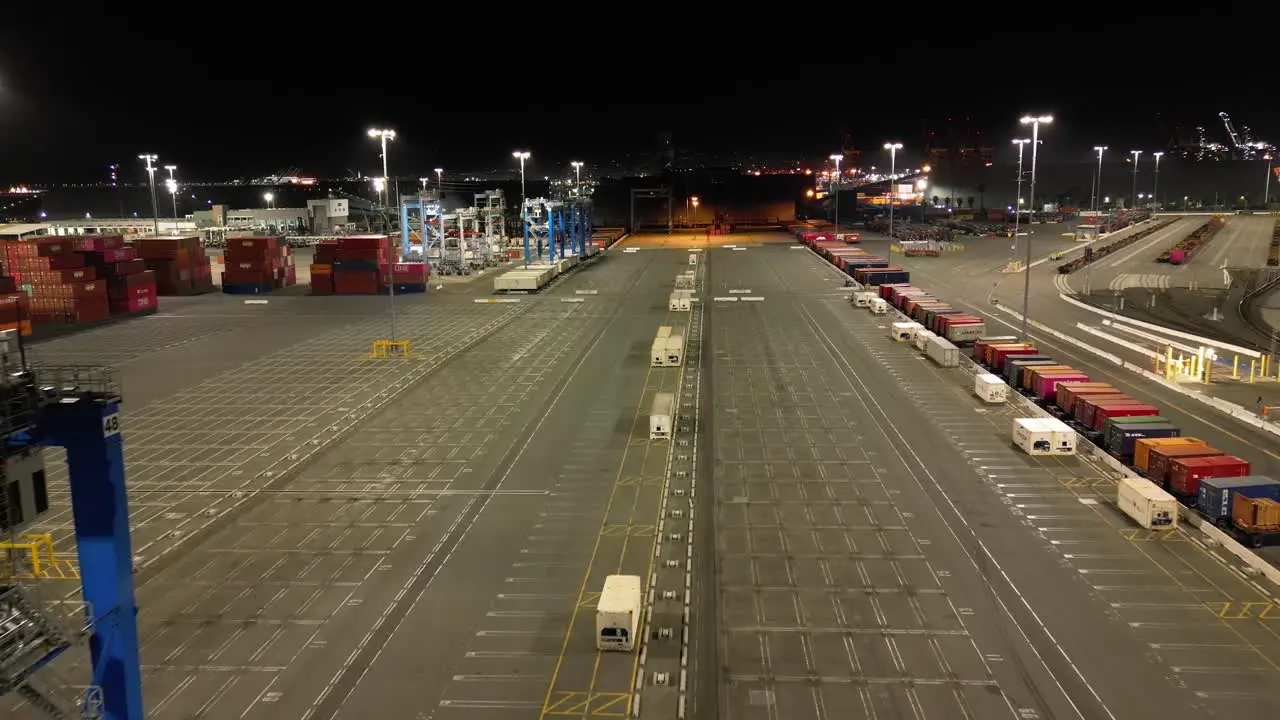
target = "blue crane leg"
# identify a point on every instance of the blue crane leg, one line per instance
(100, 506)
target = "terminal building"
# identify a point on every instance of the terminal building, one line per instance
(325, 216)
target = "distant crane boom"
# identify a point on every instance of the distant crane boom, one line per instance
(1231, 130)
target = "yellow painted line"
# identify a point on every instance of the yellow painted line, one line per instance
(547, 704)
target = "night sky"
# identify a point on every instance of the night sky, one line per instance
(103, 89)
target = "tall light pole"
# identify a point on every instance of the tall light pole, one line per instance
(1017, 202)
(424, 183)
(383, 136)
(1266, 188)
(171, 184)
(694, 219)
(1035, 121)
(270, 199)
(577, 173)
(1136, 154)
(521, 155)
(893, 149)
(150, 160)
(1097, 185)
(1155, 188)
(835, 192)
(440, 181)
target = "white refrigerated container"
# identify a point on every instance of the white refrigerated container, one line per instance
(990, 388)
(1148, 505)
(618, 611)
(660, 416)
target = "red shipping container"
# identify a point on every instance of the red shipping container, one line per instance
(1047, 385)
(128, 267)
(1087, 404)
(50, 247)
(356, 282)
(251, 254)
(8, 284)
(55, 262)
(97, 242)
(14, 307)
(365, 242)
(263, 242)
(110, 257)
(1109, 410)
(1185, 474)
(321, 284)
(145, 301)
(1160, 459)
(246, 277)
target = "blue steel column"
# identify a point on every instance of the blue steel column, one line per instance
(586, 222)
(100, 507)
(560, 218)
(404, 229)
(551, 234)
(573, 230)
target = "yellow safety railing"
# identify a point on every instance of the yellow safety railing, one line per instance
(33, 556)
(392, 349)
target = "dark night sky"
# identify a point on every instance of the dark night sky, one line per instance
(104, 89)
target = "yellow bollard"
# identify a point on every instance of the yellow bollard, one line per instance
(1168, 363)
(1235, 367)
(1253, 367)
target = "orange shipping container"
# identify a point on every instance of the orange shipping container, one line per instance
(1255, 514)
(1142, 449)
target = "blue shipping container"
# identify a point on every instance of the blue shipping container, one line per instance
(1216, 494)
(1121, 438)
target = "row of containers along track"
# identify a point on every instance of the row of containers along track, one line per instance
(1170, 469)
(51, 283)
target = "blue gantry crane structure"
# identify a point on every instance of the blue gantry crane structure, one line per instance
(562, 227)
(77, 409)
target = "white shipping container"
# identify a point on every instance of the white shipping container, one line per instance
(903, 331)
(966, 332)
(921, 339)
(618, 612)
(990, 388)
(1031, 437)
(673, 301)
(664, 331)
(686, 302)
(879, 306)
(693, 259)
(658, 352)
(941, 351)
(675, 350)
(660, 416)
(862, 299)
(1148, 505)
(1064, 438)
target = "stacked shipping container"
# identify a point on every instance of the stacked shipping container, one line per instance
(365, 265)
(257, 265)
(180, 264)
(73, 280)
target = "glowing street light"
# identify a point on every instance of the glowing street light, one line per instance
(150, 160)
(424, 183)
(577, 173)
(1097, 183)
(695, 202)
(270, 198)
(440, 179)
(893, 149)
(1035, 121)
(383, 136)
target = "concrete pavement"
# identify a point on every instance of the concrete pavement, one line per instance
(883, 550)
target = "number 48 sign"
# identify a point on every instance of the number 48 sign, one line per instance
(111, 425)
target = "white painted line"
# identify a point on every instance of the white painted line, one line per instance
(586, 292)
(753, 298)
(572, 300)
(732, 298)
(694, 250)
(256, 302)
(1163, 330)
(796, 247)
(495, 301)
(740, 292)
(630, 250)
(738, 248)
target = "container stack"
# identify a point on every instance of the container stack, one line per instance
(62, 289)
(258, 265)
(365, 265)
(179, 264)
(131, 287)
(15, 307)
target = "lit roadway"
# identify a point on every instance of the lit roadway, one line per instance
(323, 536)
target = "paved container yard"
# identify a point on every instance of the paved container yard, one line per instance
(322, 535)
(884, 552)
